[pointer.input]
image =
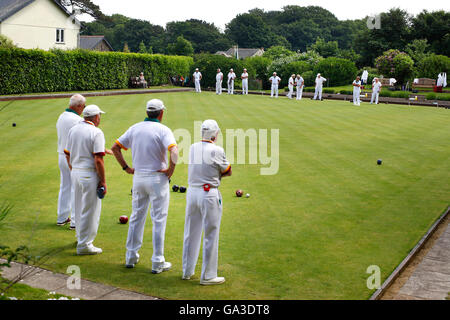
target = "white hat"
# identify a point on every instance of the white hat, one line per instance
(210, 129)
(155, 105)
(91, 110)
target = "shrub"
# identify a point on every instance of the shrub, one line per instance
(328, 90)
(395, 64)
(400, 94)
(337, 71)
(385, 93)
(257, 69)
(431, 66)
(309, 77)
(430, 96)
(27, 71)
(346, 92)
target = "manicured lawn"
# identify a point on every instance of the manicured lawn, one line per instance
(308, 232)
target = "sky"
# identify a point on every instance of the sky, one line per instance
(222, 12)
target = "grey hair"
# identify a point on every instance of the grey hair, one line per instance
(77, 100)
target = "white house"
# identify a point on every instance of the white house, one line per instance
(43, 24)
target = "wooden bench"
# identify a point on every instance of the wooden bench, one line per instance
(424, 83)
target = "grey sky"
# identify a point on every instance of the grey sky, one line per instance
(221, 12)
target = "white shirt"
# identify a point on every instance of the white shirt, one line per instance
(219, 77)
(207, 163)
(275, 80)
(197, 75)
(356, 89)
(291, 81)
(231, 76)
(84, 141)
(149, 142)
(66, 121)
(245, 74)
(320, 81)
(299, 82)
(376, 86)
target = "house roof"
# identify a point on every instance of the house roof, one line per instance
(90, 42)
(10, 7)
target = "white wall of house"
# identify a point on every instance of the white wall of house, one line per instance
(35, 26)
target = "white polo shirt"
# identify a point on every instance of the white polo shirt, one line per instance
(376, 86)
(231, 76)
(149, 142)
(291, 81)
(219, 77)
(66, 121)
(197, 75)
(275, 80)
(245, 74)
(84, 141)
(207, 163)
(320, 81)
(299, 82)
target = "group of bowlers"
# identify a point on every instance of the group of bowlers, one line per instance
(81, 148)
(294, 81)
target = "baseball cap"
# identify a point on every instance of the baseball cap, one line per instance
(210, 129)
(155, 105)
(91, 110)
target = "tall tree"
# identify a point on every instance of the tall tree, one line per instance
(83, 7)
(204, 36)
(435, 27)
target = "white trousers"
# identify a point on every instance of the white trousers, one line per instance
(274, 91)
(291, 91)
(374, 97)
(197, 86)
(357, 98)
(203, 213)
(87, 206)
(318, 92)
(299, 93)
(65, 198)
(230, 87)
(244, 86)
(148, 189)
(218, 87)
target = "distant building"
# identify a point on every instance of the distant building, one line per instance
(241, 53)
(43, 24)
(96, 43)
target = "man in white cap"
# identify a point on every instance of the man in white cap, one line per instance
(244, 77)
(66, 121)
(376, 88)
(85, 151)
(300, 83)
(291, 86)
(207, 166)
(231, 77)
(197, 77)
(357, 91)
(319, 84)
(219, 79)
(275, 81)
(150, 141)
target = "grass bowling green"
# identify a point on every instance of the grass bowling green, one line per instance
(308, 232)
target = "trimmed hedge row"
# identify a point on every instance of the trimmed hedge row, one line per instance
(28, 71)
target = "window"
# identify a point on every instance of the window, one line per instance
(59, 35)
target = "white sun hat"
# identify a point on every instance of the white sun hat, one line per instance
(210, 129)
(92, 110)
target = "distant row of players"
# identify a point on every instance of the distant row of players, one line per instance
(294, 81)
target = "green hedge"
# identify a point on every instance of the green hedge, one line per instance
(28, 71)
